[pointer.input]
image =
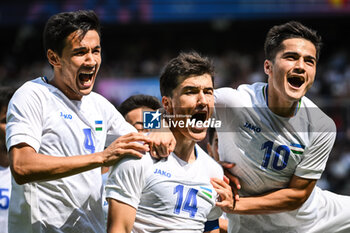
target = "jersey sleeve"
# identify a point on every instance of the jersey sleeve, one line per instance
(223, 97)
(126, 180)
(118, 126)
(316, 154)
(24, 119)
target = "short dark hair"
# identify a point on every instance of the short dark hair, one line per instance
(61, 25)
(185, 65)
(292, 29)
(6, 94)
(138, 101)
(211, 131)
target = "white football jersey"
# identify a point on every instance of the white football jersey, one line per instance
(268, 150)
(41, 116)
(5, 194)
(170, 195)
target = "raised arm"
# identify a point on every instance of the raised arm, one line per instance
(27, 165)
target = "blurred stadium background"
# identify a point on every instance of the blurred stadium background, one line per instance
(140, 36)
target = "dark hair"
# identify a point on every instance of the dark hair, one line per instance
(138, 101)
(211, 131)
(183, 66)
(292, 29)
(61, 25)
(6, 94)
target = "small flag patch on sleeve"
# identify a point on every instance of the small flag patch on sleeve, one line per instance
(98, 125)
(297, 149)
(206, 191)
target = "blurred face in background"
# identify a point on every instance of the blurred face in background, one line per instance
(135, 118)
(212, 147)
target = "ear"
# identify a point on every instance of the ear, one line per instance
(268, 67)
(167, 104)
(53, 58)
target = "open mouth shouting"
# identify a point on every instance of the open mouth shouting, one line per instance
(86, 78)
(296, 81)
(199, 117)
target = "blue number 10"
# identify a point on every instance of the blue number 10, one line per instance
(190, 204)
(267, 146)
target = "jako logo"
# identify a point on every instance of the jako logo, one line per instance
(151, 120)
(163, 173)
(65, 116)
(252, 127)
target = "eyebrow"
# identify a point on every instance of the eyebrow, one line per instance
(82, 48)
(196, 87)
(294, 53)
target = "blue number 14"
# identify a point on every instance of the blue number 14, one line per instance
(190, 204)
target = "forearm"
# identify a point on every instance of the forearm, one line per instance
(278, 201)
(37, 167)
(284, 199)
(28, 166)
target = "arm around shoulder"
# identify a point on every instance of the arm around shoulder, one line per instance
(27, 165)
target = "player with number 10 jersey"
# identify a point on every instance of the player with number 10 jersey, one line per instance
(269, 149)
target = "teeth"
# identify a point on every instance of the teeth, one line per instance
(87, 82)
(87, 73)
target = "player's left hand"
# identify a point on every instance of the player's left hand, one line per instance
(226, 201)
(162, 144)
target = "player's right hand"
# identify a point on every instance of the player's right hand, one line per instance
(132, 144)
(225, 201)
(234, 181)
(162, 144)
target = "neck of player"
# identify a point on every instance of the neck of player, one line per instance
(184, 148)
(281, 106)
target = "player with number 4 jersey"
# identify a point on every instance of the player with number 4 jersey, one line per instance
(60, 128)
(59, 134)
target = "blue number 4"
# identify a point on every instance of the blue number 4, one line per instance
(277, 156)
(190, 204)
(88, 142)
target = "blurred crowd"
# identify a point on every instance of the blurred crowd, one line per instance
(331, 90)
